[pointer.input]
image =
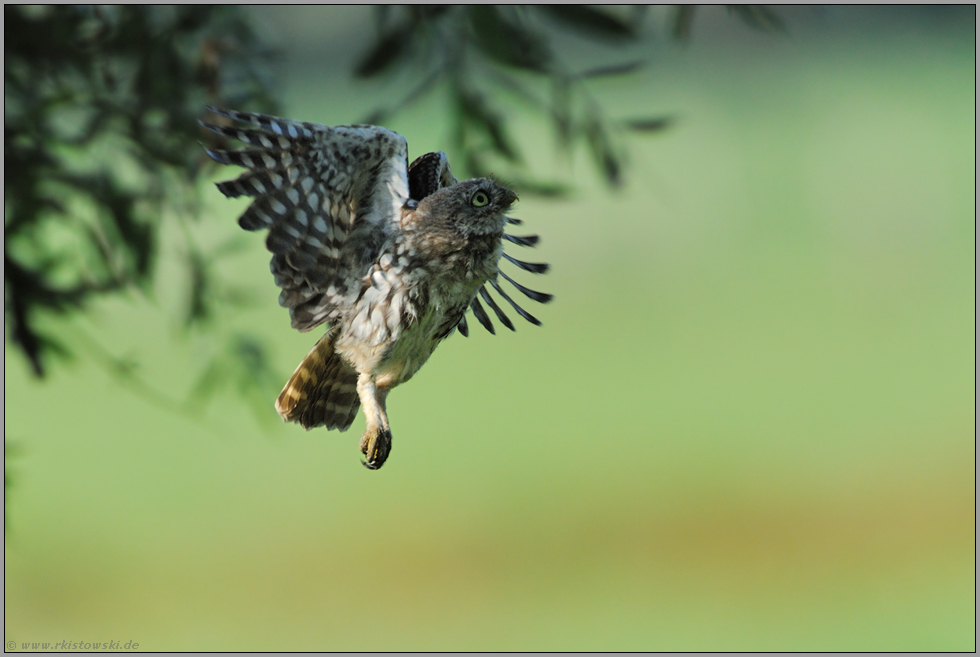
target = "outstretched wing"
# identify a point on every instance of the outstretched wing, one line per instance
(540, 297)
(329, 197)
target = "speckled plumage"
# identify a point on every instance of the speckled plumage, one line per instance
(387, 256)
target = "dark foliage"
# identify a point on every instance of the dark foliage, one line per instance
(100, 135)
(490, 56)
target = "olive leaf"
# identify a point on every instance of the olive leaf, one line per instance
(589, 22)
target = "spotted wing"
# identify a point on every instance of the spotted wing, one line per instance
(328, 196)
(429, 173)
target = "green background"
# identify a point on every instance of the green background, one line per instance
(746, 424)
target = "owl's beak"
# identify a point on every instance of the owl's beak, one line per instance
(509, 197)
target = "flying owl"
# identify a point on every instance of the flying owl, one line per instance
(387, 256)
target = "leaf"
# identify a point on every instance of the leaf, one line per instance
(376, 117)
(507, 81)
(608, 71)
(380, 114)
(649, 125)
(602, 151)
(476, 165)
(421, 13)
(542, 188)
(760, 17)
(385, 52)
(475, 107)
(200, 293)
(507, 41)
(683, 22)
(589, 22)
(561, 111)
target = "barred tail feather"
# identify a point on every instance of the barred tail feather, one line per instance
(322, 391)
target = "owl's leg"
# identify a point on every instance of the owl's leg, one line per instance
(376, 440)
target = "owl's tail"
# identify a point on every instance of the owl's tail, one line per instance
(322, 391)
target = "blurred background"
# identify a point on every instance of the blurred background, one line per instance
(747, 422)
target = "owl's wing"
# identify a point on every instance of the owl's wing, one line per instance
(540, 297)
(429, 173)
(329, 197)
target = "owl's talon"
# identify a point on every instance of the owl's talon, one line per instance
(376, 446)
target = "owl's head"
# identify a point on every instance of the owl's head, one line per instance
(472, 207)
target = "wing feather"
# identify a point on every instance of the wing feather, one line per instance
(328, 196)
(428, 174)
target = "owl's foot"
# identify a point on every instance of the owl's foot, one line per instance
(376, 446)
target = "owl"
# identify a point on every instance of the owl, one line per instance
(386, 256)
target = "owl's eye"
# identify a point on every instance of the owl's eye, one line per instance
(480, 199)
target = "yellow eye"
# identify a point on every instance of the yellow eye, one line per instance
(480, 199)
